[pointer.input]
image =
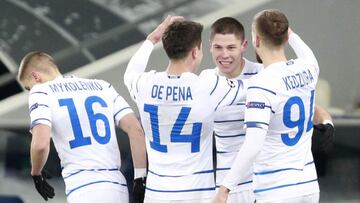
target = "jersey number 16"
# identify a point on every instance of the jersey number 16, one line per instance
(93, 117)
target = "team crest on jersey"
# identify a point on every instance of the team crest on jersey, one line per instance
(231, 83)
(255, 105)
(33, 107)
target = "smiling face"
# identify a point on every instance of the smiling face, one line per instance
(227, 52)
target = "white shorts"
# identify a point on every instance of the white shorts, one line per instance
(149, 200)
(312, 198)
(101, 195)
(246, 196)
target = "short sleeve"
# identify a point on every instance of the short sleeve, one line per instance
(121, 107)
(258, 106)
(39, 106)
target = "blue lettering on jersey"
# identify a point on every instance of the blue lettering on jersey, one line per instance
(173, 93)
(297, 80)
(256, 105)
(75, 86)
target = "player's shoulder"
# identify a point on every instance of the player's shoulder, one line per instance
(40, 89)
(250, 69)
(262, 79)
(211, 72)
(251, 65)
(149, 75)
(102, 82)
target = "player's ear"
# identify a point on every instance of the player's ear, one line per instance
(286, 39)
(36, 76)
(244, 44)
(194, 53)
(257, 41)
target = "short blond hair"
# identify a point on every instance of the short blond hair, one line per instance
(36, 60)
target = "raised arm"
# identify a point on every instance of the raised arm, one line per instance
(137, 64)
(139, 60)
(301, 49)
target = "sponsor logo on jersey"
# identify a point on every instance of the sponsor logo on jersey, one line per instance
(256, 105)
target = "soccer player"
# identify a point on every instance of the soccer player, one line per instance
(228, 44)
(80, 116)
(278, 118)
(177, 109)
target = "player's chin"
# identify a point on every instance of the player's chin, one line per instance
(224, 68)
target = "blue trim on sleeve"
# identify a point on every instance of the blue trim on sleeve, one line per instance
(217, 81)
(229, 136)
(177, 176)
(242, 183)
(250, 73)
(272, 111)
(282, 169)
(246, 182)
(120, 111)
(222, 169)
(189, 190)
(255, 87)
(255, 124)
(281, 186)
(227, 121)
(44, 105)
(81, 170)
(91, 183)
(225, 152)
(35, 122)
(39, 93)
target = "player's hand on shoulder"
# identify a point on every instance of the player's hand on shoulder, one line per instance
(155, 36)
(42, 186)
(139, 190)
(323, 138)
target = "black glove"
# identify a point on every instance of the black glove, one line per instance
(139, 190)
(322, 138)
(45, 190)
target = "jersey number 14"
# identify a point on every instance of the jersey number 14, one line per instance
(175, 136)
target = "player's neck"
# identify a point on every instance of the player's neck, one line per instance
(178, 67)
(272, 56)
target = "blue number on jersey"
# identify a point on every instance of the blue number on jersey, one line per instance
(79, 139)
(175, 136)
(299, 123)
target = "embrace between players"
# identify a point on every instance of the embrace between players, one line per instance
(261, 115)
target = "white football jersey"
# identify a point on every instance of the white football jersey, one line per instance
(177, 114)
(281, 99)
(82, 114)
(230, 133)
